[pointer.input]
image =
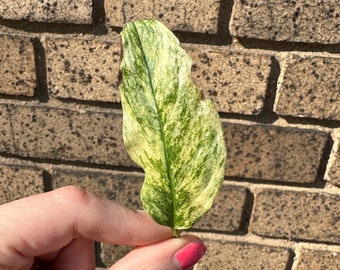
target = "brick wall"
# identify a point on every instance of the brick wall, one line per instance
(273, 70)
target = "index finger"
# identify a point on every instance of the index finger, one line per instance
(46, 222)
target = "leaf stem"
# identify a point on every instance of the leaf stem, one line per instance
(176, 233)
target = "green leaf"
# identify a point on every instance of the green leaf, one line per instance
(168, 130)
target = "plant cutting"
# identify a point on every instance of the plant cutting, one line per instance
(168, 130)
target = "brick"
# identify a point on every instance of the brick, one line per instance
(333, 174)
(61, 11)
(318, 259)
(275, 153)
(299, 215)
(188, 16)
(298, 21)
(6, 138)
(83, 69)
(227, 212)
(17, 66)
(118, 186)
(227, 255)
(112, 253)
(235, 81)
(309, 87)
(63, 134)
(19, 181)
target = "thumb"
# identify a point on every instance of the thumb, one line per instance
(172, 254)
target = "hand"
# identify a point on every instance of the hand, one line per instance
(56, 230)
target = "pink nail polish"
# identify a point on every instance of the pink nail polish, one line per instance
(190, 254)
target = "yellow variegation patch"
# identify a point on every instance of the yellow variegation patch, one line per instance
(169, 131)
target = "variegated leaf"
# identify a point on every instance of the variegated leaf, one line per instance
(168, 130)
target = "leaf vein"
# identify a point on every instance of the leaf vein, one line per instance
(169, 177)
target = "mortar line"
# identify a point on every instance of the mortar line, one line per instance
(254, 239)
(256, 187)
(15, 147)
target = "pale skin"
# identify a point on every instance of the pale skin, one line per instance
(61, 227)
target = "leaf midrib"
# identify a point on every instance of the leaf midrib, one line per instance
(162, 134)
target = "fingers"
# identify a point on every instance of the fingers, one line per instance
(79, 254)
(47, 222)
(172, 254)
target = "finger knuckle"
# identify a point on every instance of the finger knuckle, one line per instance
(75, 195)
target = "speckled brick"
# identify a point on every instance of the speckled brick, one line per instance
(298, 215)
(297, 21)
(235, 81)
(318, 259)
(227, 255)
(309, 87)
(112, 253)
(6, 138)
(17, 67)
(122, 187)
(61, 11)
(226, 213)
(189, 16)
(63, 134)
(274, 153)
(83, 69)
(18, 181)
(333, 174)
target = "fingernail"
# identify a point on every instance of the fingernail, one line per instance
(190, 254)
